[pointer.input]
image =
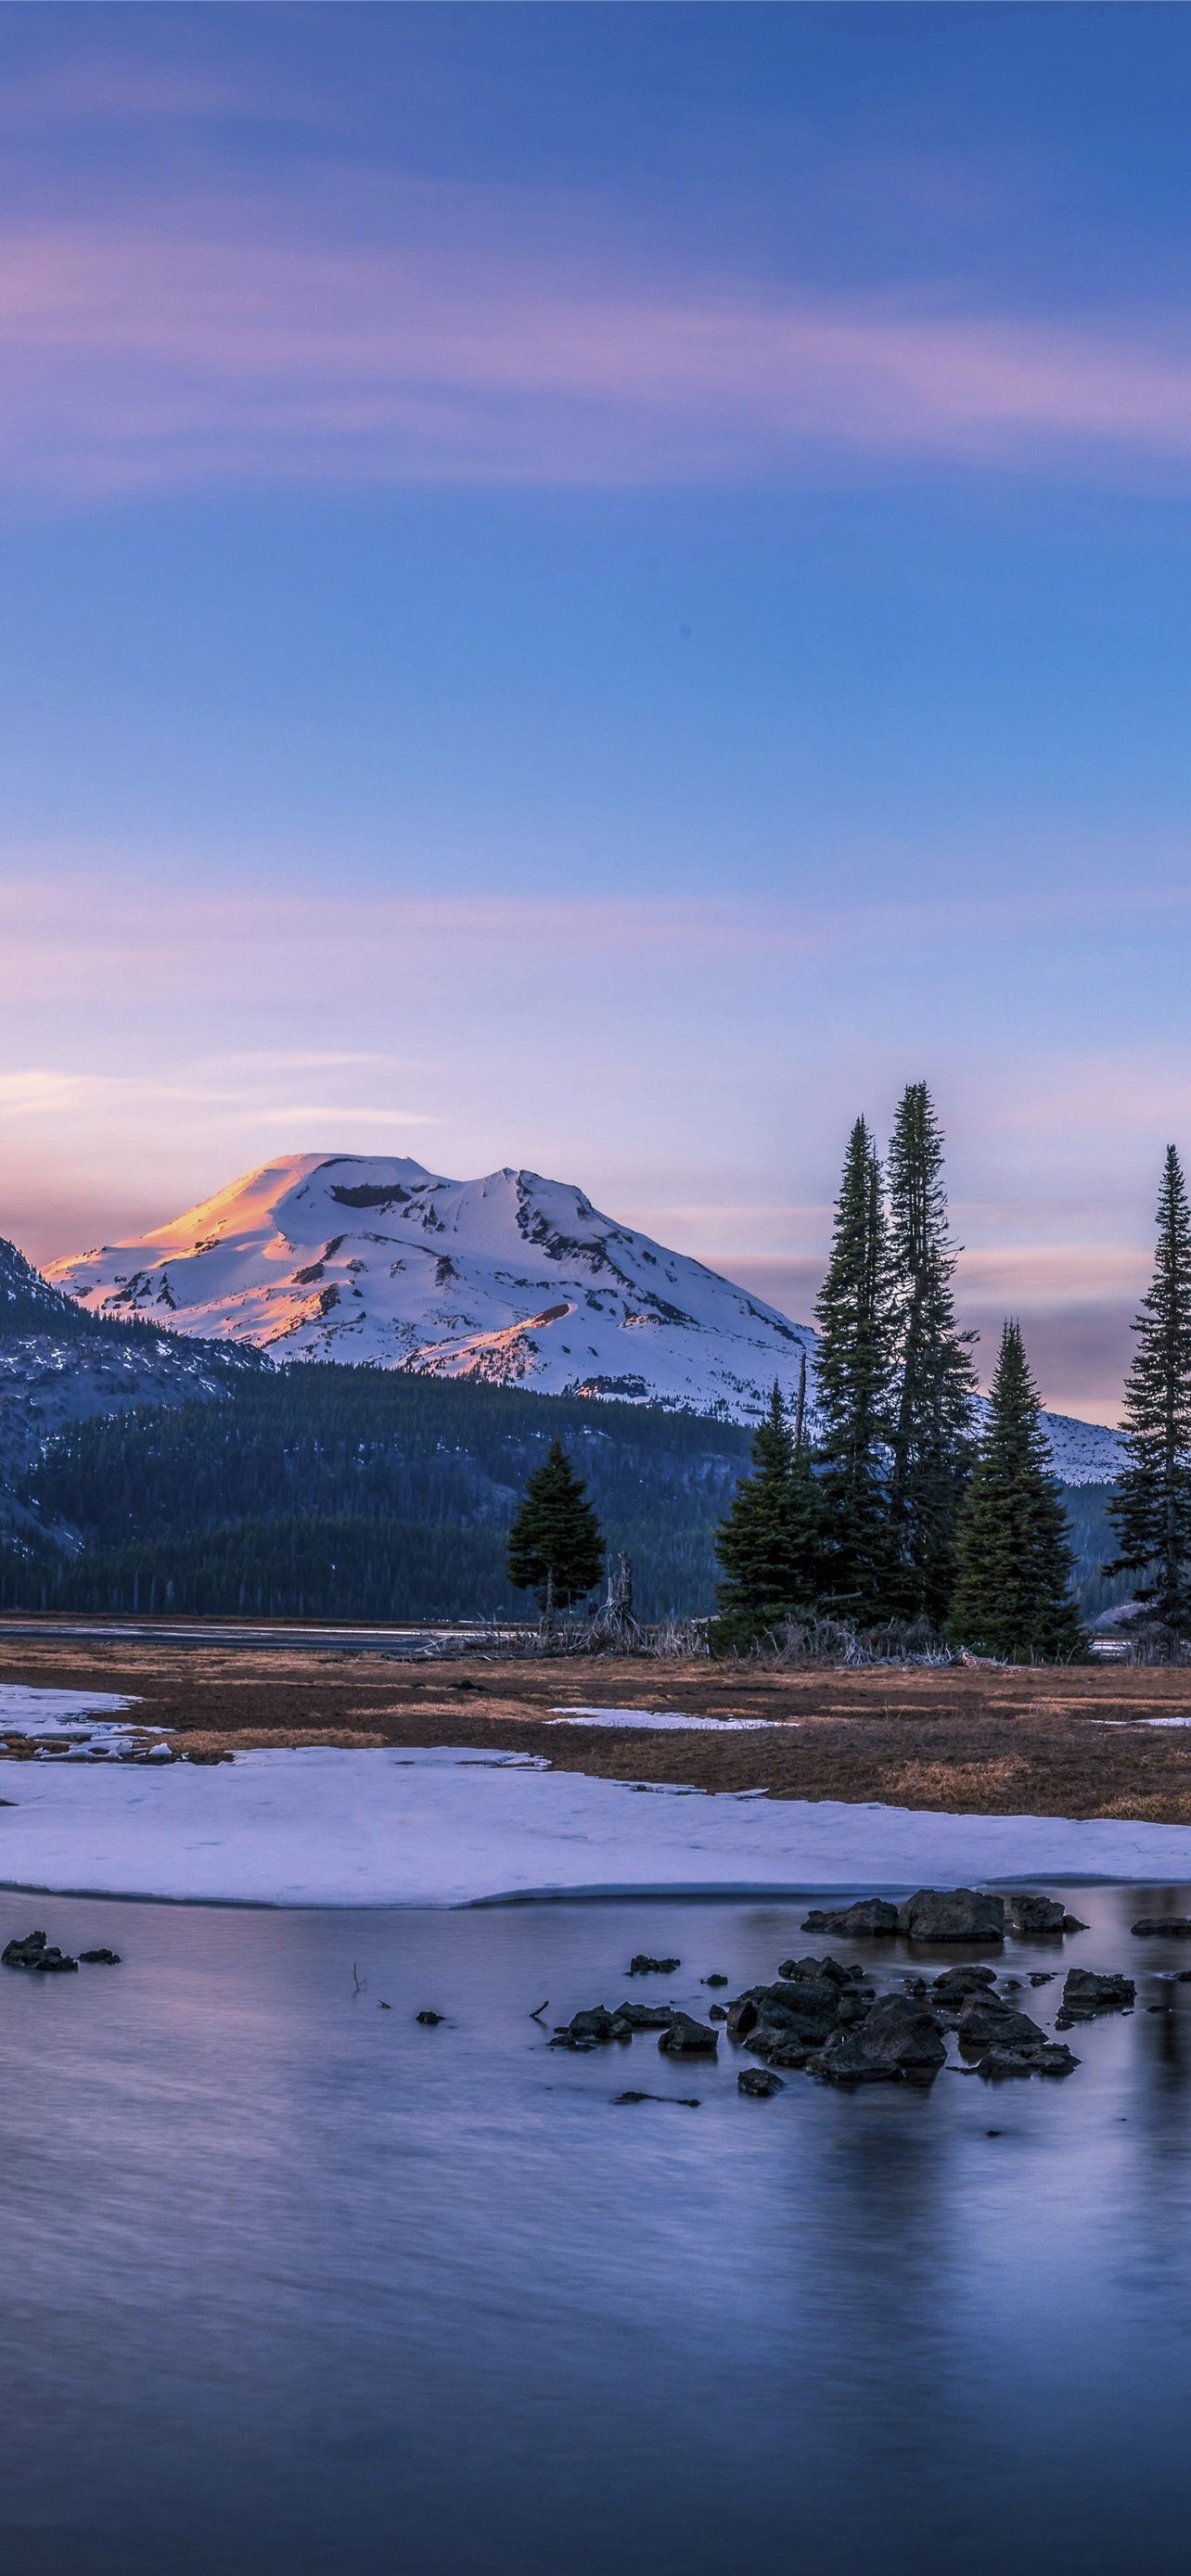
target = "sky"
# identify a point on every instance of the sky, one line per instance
(601, 588)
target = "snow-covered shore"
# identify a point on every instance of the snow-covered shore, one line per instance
(447, 1826)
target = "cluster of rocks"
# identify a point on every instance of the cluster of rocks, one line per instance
(947, 1914)
(37, 1951)
(827, 2019)
(681, 2034)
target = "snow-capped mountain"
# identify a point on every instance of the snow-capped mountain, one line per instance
(514, 1280)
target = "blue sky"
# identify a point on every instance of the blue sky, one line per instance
(600, 588)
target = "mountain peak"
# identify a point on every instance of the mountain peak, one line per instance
(513, 1278)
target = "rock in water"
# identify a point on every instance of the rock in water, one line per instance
(759, 2082)
(812, 1967)
(641, 1965)
(867, 1918)
(640, 2017)
(899, 2040)
(1031, 1914)
(1175, 1926)
(688, 2038)
(955, 1985)
(591, 2029)
(1085, 1994)
(35, 1951)
(429, 2020)
(100, 1958)
(1050, 2057)
(986, 2022)
(952, 1914)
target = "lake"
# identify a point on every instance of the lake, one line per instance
(294, 2285)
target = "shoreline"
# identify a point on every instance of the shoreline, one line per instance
(447, 1828)
(1075, 1742)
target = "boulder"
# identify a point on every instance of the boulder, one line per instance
(36, 1951)
(759, 2083)
(952, 1914)
(816, 1968)
(100, 1958)
(1049, 2057)
(986, 2022)
(870, 1918)
(1085, 1994)
(898, 2040)
(641, 1965)
(715, 1981)
(686, 2037)
(429, 2020)
(1031, 1914)
(639, 2017)
(792, 2016)
(591, 2029)
(1175, 1926)
(956, 1984)
(743, 2015)
(717, 2012)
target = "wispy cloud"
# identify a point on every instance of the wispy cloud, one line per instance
(238, 346)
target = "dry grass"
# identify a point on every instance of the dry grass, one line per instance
(995, 1743)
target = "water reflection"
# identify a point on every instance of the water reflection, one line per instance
(293, 2284)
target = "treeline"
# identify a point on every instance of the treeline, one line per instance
(900, 1506)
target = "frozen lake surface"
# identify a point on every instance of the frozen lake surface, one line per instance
(293, 2285)
(449, 1826)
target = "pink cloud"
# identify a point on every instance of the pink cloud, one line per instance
(196, 354)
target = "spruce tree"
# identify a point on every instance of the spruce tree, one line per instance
(770, 1544)
(1152, 1506)
(1013, 1563)
(853, 1379)
(555, 1545)
(931, 1438)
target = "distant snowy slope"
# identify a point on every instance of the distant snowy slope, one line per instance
(515, 1280)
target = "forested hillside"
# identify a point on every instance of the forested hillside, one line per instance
(336, 1492)
(355, 1492)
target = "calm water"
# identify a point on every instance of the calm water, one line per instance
(293, 2285)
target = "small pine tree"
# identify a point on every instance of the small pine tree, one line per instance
(931, 1439)
(1013, 1562)
(1152, 1505)
(853, 1376)
(770, 1544)
(555, 1545)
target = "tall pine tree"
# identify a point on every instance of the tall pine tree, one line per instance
(770, 1544)
(931, 1438)
(1152, 1506)
(853, 1382)
(555, 1546)
(1013, 1562)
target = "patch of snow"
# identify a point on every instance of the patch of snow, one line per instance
(73, 1726)
(329, 1827)
(664, 1721)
